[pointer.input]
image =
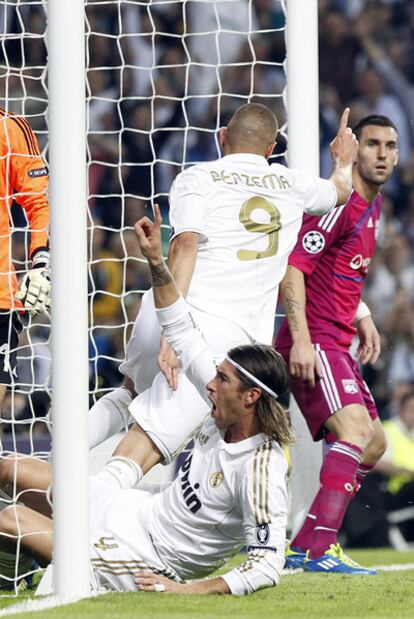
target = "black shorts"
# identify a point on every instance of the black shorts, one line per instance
(10, 328)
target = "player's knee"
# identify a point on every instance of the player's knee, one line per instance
(355, 426)
(9, 520)
(7, 471)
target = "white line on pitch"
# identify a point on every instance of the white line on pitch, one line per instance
(29, 606)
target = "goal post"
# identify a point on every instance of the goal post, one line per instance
(303, 154)
(68, 199)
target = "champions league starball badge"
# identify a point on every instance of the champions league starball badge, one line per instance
(313, 242)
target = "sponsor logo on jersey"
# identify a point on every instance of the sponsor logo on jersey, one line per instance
(216, 479)
(313, 242)
(349, 487)
(37, 172)
(359, 262)
(370, 223)
(263, 534)
(189, 492)
(106, 543)
(349, 386)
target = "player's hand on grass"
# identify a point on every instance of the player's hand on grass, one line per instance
(369, 348)
(344, 147)
(168, 363)
(304, 363)
(149, 236)
(148, 581)
(34, 287)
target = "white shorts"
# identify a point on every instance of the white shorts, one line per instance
(140, 363)
(120, 544)
(169, 417)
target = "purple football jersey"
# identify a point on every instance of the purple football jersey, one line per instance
(334, 253)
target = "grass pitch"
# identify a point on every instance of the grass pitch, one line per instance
(299, 596)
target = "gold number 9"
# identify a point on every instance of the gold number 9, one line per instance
(271, 228)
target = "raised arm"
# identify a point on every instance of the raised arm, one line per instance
(172, 311)
(303, 362)
(182, 257)
(149, 237)
(344, 151)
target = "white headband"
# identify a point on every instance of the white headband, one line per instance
(252, 378)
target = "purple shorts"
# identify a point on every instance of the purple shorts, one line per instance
(341, 385)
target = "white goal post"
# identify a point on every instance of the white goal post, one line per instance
(163, 75)
(68, 198)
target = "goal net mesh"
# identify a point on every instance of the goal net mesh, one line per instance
(162, 77)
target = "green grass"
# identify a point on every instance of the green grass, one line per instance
(304, 596)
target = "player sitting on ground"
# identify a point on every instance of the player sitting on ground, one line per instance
(229, 493)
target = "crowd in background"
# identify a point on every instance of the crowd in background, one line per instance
(160, 83)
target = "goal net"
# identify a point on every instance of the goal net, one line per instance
(162, 77)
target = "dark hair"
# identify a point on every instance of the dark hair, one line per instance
(268, 366)
(373, 119)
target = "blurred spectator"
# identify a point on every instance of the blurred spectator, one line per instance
(394, 271)
(338, 50)
(374, 100)
(397, 464)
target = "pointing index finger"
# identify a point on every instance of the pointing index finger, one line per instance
(343, 123)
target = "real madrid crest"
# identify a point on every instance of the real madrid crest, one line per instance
(203, 438)
(216, 479)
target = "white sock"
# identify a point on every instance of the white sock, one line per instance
(120, 472)
(109, 415)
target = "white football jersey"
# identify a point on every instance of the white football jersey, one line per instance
(248, 215)
(226, 495)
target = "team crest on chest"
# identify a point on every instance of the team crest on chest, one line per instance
(203, 438)
(262, 533)
(349, 386)
(216, 479)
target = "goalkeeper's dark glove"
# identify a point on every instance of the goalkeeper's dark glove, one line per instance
(34, 288)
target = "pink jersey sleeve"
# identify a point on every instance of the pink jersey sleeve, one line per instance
(316, 235)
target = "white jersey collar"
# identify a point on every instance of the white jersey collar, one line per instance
(248, 444)
(246, 158)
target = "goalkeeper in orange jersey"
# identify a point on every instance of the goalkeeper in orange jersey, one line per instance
(23, 179)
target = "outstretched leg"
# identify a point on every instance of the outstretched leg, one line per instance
(28, 480)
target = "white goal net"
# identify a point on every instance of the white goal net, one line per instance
(162, 76)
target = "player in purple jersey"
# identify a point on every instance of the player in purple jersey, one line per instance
(322, 298)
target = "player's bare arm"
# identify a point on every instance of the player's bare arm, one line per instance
(303, 362)
(148, 581)
(369, 347)
(344, 151)
(149, 237)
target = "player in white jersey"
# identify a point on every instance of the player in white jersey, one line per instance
(234, 223)
(229, 493)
